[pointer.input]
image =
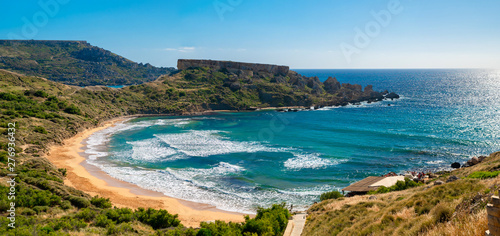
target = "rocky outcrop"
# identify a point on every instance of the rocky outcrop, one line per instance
(332, 85)
(231, 66)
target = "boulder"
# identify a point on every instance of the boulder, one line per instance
(481, 158)
(455, 165)
(438, 182)
(451, 179)
(392, 95)
(473, 161)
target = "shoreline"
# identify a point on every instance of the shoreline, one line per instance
(93, 181)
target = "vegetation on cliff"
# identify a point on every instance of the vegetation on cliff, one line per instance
(74, 63)
(47, 112)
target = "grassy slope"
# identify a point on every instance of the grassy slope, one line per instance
(75, 63)
(48, 112)
(455, 208)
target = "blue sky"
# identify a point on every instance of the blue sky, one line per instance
(312, 34)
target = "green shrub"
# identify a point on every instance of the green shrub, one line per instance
(103, 221)
(330, 195)
(399, 186)
(120, 215)
(40, 129)
(483, 175)
(121, 229)
(28, 212)
(158, 219)
(8, 96)
(72, 109)
(65, 205)
(39, 209)
(86, 214)
(41, 93)
(268, 221)
(100, 202)
(67, 223)
(79, 202)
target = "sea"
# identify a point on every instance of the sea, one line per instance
(240, 161)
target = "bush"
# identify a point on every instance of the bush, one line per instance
(39, 209)
(269, 221)
(103, 221)
(65, 205)
(330, 195)
(79, 202)
(399, 186)
(72, 109)
(86, 214)
(41, 93)
(158, 219)
(120, 215)
(100, 202)
(40, 129)
(442, 213)
(483, 175)
(121, 229)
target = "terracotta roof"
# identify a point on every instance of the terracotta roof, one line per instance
(364, 184)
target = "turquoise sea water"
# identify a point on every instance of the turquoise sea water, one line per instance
(238, 161)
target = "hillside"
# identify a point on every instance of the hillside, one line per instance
(47, 112)
(452, 208)
(74, 63)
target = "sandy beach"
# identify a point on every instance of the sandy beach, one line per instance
(93, 181)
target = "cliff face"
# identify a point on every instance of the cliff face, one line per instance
(183, 64)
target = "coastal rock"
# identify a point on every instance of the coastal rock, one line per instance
(354, 87)
(392, 95)
(455, 165)
(183, 64)
(331, 85)
(452, 178)
(481, 158)
(438, 182)
(473, 161)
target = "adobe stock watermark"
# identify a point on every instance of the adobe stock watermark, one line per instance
(224, 6)
(31, 26)
(372, 29)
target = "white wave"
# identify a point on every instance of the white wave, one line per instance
(308, 161)
(209, 142)
(99, 138)
(152, 150)
(437, 162)
(208, 186)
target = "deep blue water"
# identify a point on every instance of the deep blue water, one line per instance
(237, 161)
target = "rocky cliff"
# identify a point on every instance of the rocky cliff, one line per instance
(183, 64)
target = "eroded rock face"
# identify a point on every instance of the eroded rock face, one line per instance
(183, 64)
(331, 85)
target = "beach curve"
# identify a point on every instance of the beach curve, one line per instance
(93, 181)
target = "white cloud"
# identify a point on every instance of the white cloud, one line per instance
(181, 49)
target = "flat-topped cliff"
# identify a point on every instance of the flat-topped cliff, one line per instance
(183, 64)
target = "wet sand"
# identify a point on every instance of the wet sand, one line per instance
(94, 181)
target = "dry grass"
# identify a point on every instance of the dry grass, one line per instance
(456, 208)
(468, 225)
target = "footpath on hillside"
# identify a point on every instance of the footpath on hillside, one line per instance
(296, 225)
